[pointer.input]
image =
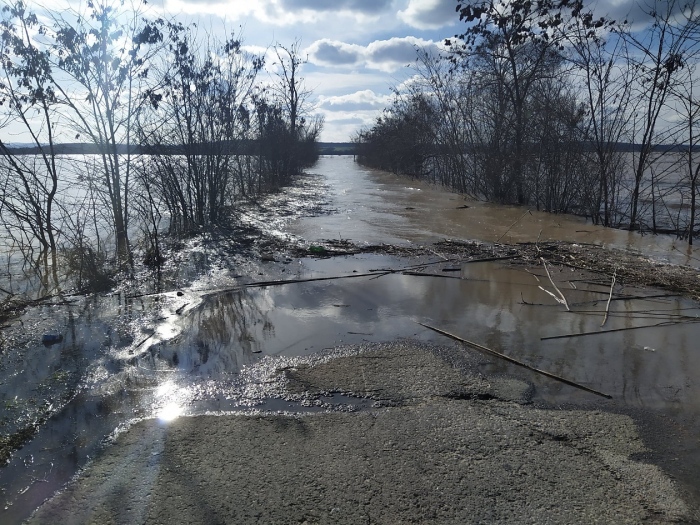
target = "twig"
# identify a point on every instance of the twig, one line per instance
(437, 254)
(534, 275)
(509, 227)
(515, 361)
(607, 306)
(561, 298)
(601, 332)
(487, 259)
(423, 274)
(143, 341)
(628, 298)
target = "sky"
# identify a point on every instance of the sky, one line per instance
(357, 50)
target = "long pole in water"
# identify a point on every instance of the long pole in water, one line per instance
(515, 361)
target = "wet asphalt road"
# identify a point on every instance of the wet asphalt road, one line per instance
(442, 444)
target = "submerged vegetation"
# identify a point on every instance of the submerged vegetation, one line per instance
(531, 104)
(210, 130)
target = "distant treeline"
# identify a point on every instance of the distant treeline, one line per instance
(543, 104)
(230, 148)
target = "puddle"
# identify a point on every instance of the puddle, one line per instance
(198, 369)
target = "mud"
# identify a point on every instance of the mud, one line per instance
(442, 445)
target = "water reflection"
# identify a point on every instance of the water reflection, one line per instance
(103, 373)
(168, 402)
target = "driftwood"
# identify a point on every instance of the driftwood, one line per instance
(515, 361)
(601, 332)
(607, 306)
(561, 299)
(516, 222)
(487, 259)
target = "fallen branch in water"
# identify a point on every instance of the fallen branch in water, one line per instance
(607, 306)
(424, 274)
(280, 282)
(516, 222)
(561, 299)
(487, 259)
(601, 332)
(515, 361)
(629, 298)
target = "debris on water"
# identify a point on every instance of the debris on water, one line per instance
(51, 339)
(317, 249)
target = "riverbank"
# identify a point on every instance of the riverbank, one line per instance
(441, 443)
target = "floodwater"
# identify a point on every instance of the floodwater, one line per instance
(213, 346)
(376, 207)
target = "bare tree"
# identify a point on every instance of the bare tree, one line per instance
(104, 54)
(197, 125)
(607, 89)
(685, 93)
(294, 99)
(29, 183)
(656, 56)
(518, 43)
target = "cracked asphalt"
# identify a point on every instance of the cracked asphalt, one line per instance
(441, 444)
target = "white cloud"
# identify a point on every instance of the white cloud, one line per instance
(357, 101)
(284, 12)
(383, 55)
(333, 53)
(233, 10)
(342, 126)
(390, 55)
(356, 7)
(429, 14)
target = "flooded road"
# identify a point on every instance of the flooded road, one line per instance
(205, 348)
(375, 207)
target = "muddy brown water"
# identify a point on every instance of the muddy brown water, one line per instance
(375, 207)
(169, 355)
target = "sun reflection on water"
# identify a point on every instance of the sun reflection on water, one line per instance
(170, 412)
(169, 401)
